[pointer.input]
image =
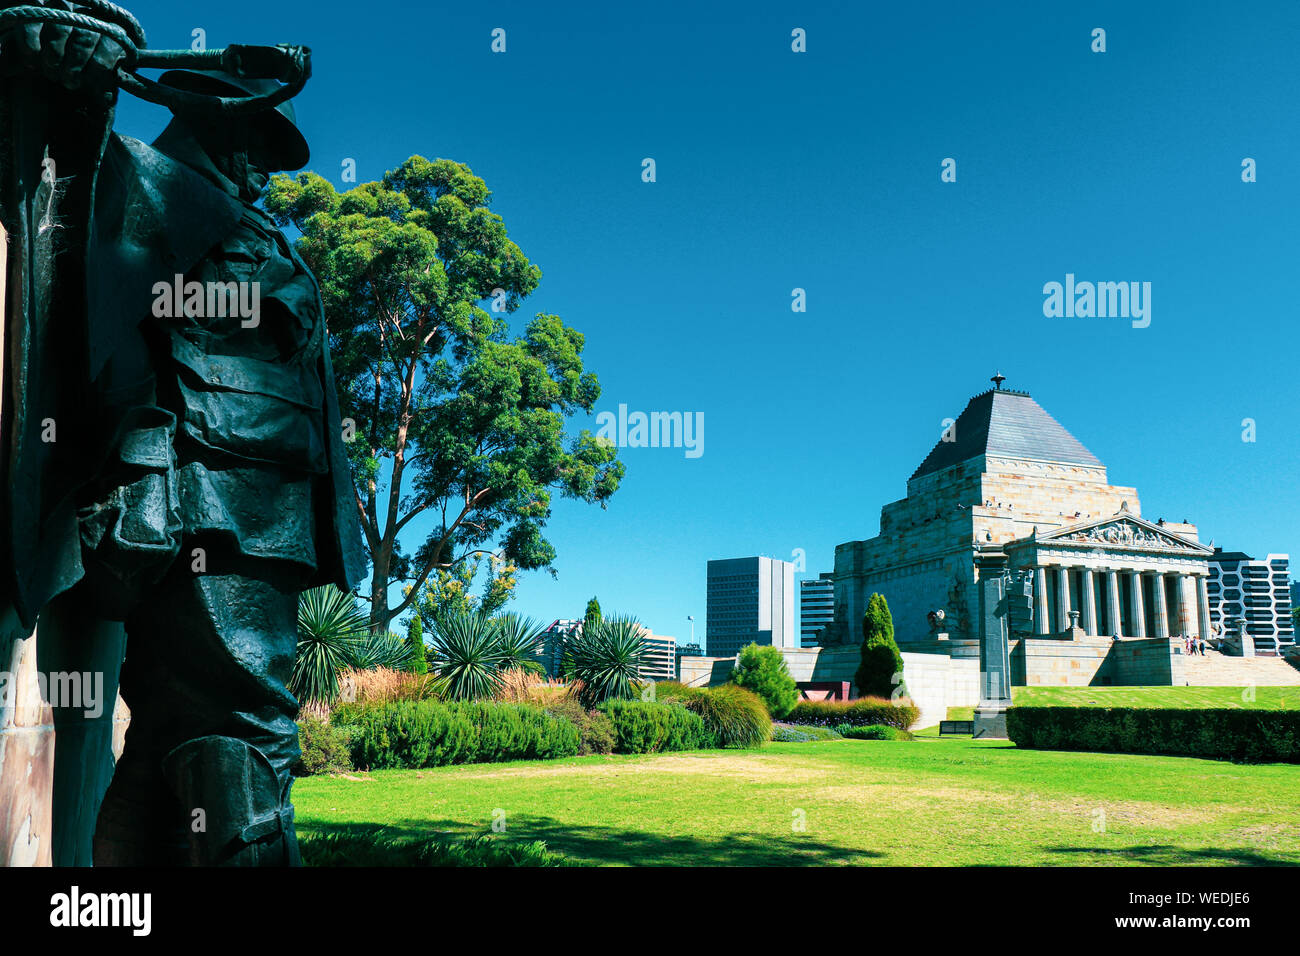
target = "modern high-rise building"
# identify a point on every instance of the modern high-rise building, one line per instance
(816, 607)
(1259, 591)
(553, 644)
(750, 601)
(659, 661)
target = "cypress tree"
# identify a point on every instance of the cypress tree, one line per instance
(881, 659)
(415, 638)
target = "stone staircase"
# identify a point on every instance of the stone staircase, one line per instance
(1219, 670)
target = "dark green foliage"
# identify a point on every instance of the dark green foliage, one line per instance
(466, 655)
(606, 660)
(595, 729)
(519, 639)
(381, 649)
(326, 748)
(872, 732)
(763, 670)
(415, 734)
(1247, 736)
(733, 716)
(859, 713)
(880, 674)
(330, 632)
(644, 727)
(415, 640)
(375, 846)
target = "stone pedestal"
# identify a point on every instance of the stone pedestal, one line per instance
(991, 719)
(995, 607)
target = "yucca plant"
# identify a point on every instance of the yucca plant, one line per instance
(466, 656)
(373, 650)
(519, 640)
(606, 659)
(330, 628)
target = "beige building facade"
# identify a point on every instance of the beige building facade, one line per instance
(1008, 479)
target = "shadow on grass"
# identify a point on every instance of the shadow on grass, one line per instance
(595, 845)
(1163, 854)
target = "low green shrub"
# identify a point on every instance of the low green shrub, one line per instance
(762, 669)
(645, 727)
(414, 734)
(595, 729)
(326, 748)
(734, 716)
(872, 732)
(374, 846)
(1247, 736)
(859, 713)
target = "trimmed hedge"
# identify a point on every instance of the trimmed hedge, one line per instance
(1248, 736)
(859, 713)
(415, 734)
(647, 727)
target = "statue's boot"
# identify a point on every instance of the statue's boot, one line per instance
(237, 811)
(138, 821)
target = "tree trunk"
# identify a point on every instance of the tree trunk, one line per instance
(26, 756)
(379, 594)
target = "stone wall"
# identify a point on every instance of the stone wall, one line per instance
(1151, 662)
(704, 671)
(1055, 663)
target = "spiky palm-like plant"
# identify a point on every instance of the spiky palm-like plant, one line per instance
(330, 629)
(466, 656)
(381, 650)
(519, 640)
(606, 659)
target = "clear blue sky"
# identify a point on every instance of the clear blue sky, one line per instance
(821, 170)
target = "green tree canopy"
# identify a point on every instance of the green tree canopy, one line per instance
(881, 671)
(763, 671)
(452, 419)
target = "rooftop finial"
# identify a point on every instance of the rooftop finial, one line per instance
(997, 380)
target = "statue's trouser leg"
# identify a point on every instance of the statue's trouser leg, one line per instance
(81, 656)
(209, 655)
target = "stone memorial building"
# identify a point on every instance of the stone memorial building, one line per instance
(1006, 480)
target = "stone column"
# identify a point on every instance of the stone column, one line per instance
(1203, 606)
(1063, 598)
(1139, 605)
(1089, 604)
(1186, 603)
(1112, 602)
(1041, 623)
(1162, 605)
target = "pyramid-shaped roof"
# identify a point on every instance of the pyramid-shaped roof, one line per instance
(1009, 423)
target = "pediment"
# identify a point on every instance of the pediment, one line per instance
(1122, 531)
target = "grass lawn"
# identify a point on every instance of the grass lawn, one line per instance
(1265, 698)
(925, 802)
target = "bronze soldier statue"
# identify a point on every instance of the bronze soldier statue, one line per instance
(206, 485)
